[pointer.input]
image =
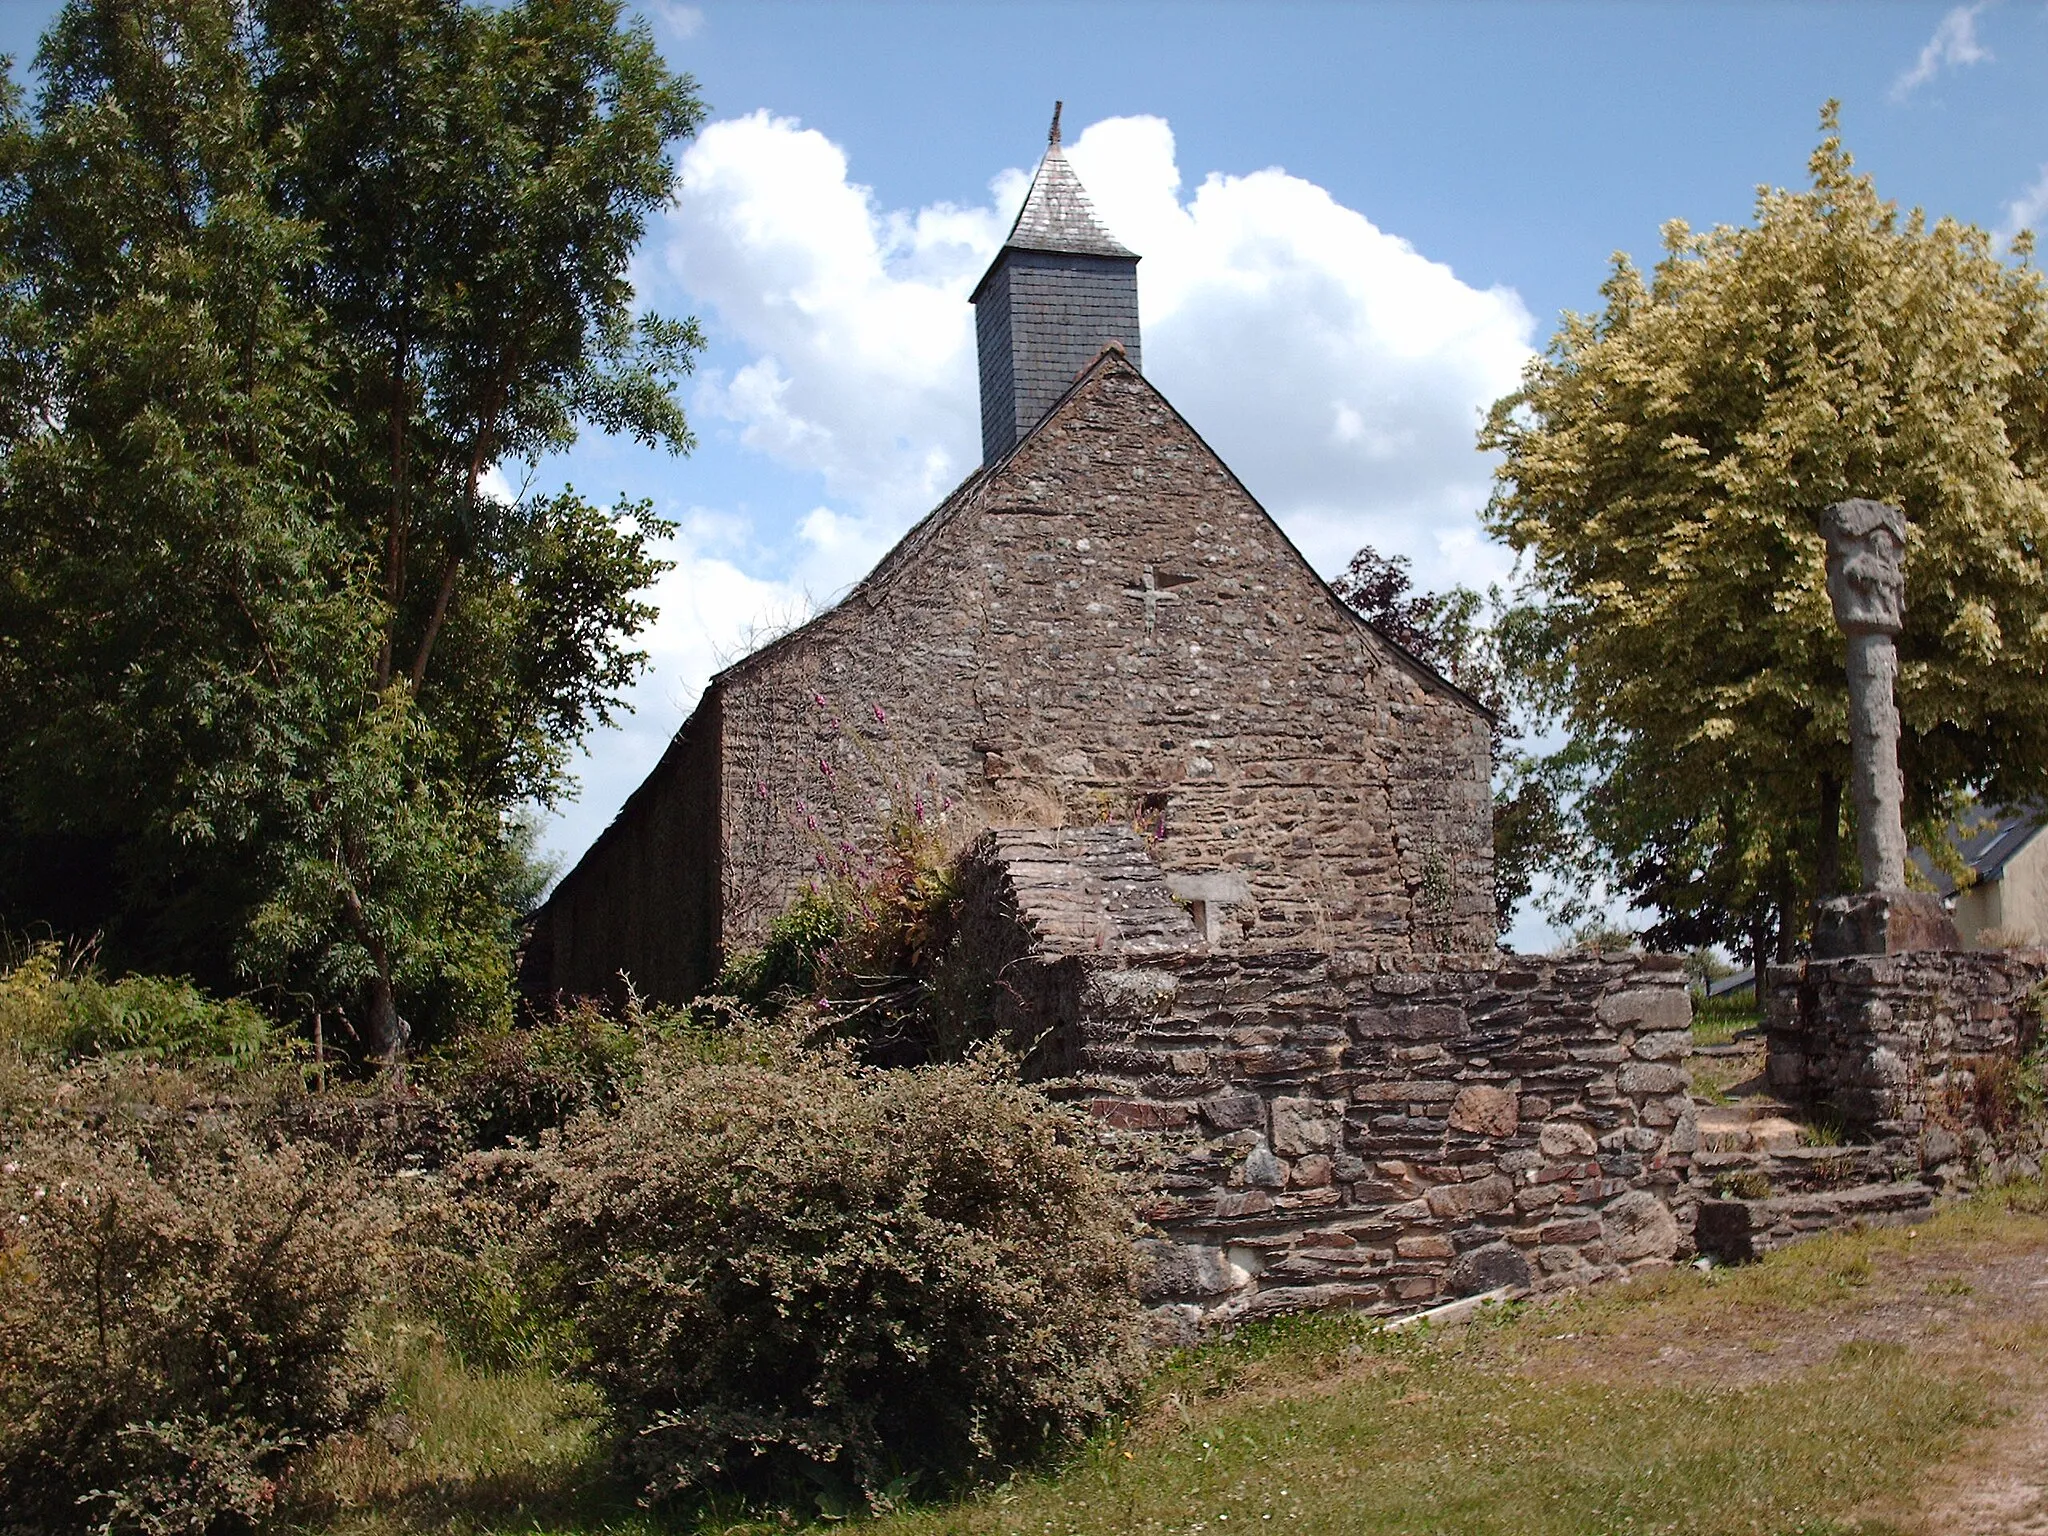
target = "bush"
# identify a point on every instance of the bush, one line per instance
(785, 969)
(65, 1011)
(510, 1084)
(177, 1324)
(794, 1278)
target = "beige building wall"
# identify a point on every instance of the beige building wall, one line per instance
(2012, 908)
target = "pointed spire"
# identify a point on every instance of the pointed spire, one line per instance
(1057, 215)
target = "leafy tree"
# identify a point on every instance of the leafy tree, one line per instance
(1664, 467)
(1454, 633)
(281, 283)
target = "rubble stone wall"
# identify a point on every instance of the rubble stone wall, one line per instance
(1912, 1052)
(1339, 1132)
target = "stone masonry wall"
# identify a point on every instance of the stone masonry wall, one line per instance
(1338, 1133)
(1108, 629)
(1323, 1129)
(1904, 1050)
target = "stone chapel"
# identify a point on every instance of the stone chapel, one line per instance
(1099, 625)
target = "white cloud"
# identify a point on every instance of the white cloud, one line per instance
(682, 22)
(863, 366)
(1340, 372)
(2025, 211)
(1953, 46)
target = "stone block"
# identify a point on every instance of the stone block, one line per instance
(1427, 1245)
(1882, 923)
(1484, 1111)
(1311, 1172)
(1486, 1269)
(1672, 1045)
(1571, 1229)
(1640, 1079)
(1302, 1126)
(1127, 1115)
(1263, 1169)
(1639, 1226)
(1454, 1202)
(1242, 1202)
(1646, 1008)
(1232, 1112)
(1177, 1270)
(1566, 1139)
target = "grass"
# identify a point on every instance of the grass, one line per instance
(1717, 1020)
(1714, 1076)
(1747, 1400)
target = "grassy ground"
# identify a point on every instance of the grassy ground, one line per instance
(1716, 1020)
(1872, 1382)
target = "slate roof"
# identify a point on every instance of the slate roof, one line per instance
(1057, 215)
(1987, 839)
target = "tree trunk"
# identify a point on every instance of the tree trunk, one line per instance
(389, 1032)
(1827, 859)
(1759, 942)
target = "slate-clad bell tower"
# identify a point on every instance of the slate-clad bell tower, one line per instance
(1059, 288)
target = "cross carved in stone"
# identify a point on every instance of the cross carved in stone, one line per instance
(1151, 594)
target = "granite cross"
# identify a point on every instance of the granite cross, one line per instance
(1866, 578)
(1866, 581)
(1152, 595)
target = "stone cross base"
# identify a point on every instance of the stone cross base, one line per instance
(1881, 923)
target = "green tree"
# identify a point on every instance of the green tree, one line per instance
(1664, 467)
(1461, 634)
(280, 284)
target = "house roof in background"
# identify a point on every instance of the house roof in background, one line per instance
(1987, 838)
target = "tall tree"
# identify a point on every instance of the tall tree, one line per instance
(1459, 633)
(1664, 467)
(283, 283)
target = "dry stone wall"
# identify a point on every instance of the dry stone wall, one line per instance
(1917, 1055)
(1337, 1128)
(1336, 1133)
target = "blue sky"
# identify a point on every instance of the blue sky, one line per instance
(1356, 219)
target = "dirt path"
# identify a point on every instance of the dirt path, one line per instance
(1962, 1307)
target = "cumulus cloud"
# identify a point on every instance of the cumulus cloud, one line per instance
(1953, 46)
(862, 366)
(1337, 369)
(1340, 372)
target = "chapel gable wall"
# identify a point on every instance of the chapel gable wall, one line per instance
(1108, 628)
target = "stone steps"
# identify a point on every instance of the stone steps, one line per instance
(1732, 1231)
(1789, 1170)
(1750, 1125)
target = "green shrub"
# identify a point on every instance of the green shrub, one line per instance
(67, 1012)
(797, 1279)
(462, 1265)
(785, 969)
(177, 1324)
(508, 1085)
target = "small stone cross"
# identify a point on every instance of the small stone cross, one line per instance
(1152, 596)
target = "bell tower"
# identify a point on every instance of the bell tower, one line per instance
(1059, 289)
